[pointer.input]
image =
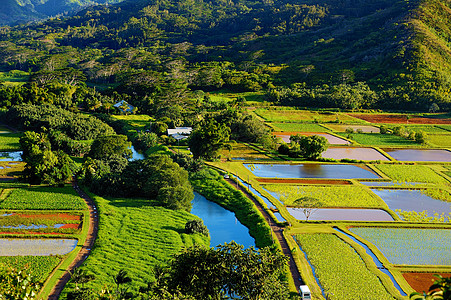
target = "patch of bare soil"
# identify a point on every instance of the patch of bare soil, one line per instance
(399, 119)
(421, 282)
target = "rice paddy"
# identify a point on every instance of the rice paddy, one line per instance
(410, 246)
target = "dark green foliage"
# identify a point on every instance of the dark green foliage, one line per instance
(157, 178)
(196, 226)
(61, 141)
(75, 125)
(145, 140)
(187, 162)
(208, 139)
(42, 164)
(105, 147)
(309, 147)
(211, 185)
(207, 273)
(159, 128)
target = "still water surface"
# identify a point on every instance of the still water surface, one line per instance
(222, 223)
(310, 171)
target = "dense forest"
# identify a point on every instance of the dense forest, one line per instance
(163, 55)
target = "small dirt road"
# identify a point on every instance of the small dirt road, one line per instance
(87, 246)
(278, 232)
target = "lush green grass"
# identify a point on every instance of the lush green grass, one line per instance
(11, 168)
(242, 151)
(138, 122)
(327, 196)
(425, 128)
(136, 237)
(377, 139)
(301, 127)
(439, 140)
(55, 198)
(38, 266)
(10, 141)
(340, 270)
(410, 246)
(14, 77)
(445, 127)
(293, 115)
(411, 173)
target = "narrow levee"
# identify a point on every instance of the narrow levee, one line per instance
(278, 232)
(376, 260)
(87, 246)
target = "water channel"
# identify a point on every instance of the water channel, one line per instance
(376, 260)
(221, 223)
(10, 155)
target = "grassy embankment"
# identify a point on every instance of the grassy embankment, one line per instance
(136, 236)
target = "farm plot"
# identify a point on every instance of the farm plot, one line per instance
(411, 173)
(299, 127)
(332, 259)
(32, 223)
(404, 119)
(244, 152)
(377, 139)
(38, 266)
(430, 129)
(324, 196)
(54, 198)
(440, 140)
(10, 141)
(292, 115)
(136, 237)
(362, 128)
(410, 246)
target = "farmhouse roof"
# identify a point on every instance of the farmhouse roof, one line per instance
(180, 130)
(121, 103)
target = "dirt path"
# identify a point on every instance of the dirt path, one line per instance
(278, 231)
(86, 249)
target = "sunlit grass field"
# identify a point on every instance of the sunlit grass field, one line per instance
(55, 198)
(300, 127)
(293, 115)
(38, 266)
(340, 270)
(411, 173)
(326, 196)
(9, 141)
(377, 139)
(136, 237)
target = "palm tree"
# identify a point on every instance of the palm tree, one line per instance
(119, 279)
(439, 290)
(79, 276)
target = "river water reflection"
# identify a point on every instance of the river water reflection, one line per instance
(221, 223)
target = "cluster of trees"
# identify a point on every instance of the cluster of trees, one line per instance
(203, 273)
(76, 126)
(42, 164)
(308, 147)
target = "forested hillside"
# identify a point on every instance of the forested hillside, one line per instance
(23, 11)
(315, 53)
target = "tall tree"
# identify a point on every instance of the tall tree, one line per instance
(208, 139)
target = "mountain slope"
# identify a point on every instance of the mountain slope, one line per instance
(399, 49)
